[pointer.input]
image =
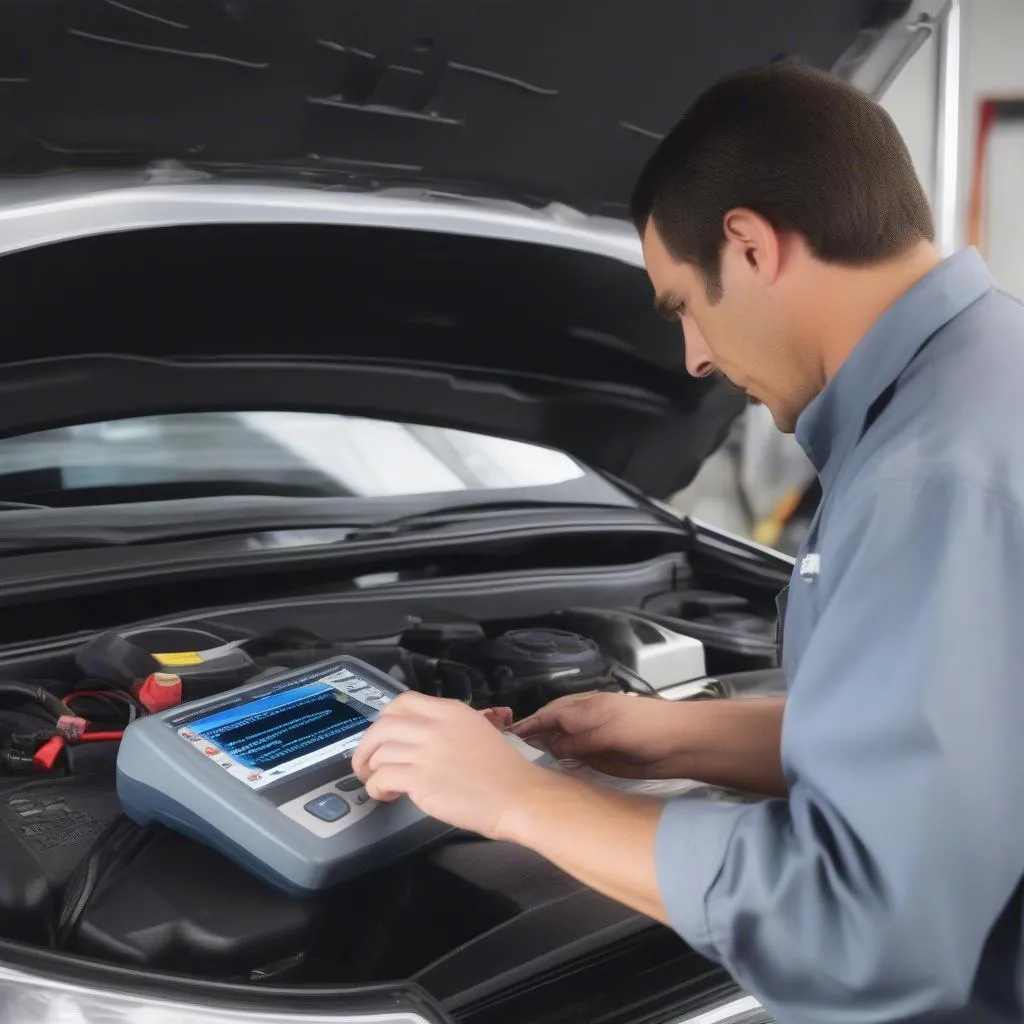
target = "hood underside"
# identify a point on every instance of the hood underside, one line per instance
(440, 318)
(540, 102)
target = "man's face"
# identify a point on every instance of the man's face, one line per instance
(742, 336)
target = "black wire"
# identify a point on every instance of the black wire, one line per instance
(36, 694)
(122, 710)
(126, 708)
(630, 680)
(95, 683)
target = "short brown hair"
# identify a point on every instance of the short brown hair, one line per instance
(808, 152)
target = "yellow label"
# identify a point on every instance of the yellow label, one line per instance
(179, 658)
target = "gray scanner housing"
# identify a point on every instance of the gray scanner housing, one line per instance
(162, 778)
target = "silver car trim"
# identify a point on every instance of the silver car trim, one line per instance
(50, 210)
(22, 994)
(733, 1011)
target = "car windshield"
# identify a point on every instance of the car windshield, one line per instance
(311, 455)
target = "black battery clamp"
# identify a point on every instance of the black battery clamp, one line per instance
(205, 663)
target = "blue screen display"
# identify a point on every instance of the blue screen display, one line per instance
(265, 739)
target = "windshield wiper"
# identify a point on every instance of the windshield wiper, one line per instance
(433, 517)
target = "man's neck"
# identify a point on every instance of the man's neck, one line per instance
(850, 301)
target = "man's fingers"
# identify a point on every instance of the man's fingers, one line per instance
(413, 703)
(546, 720)
(500, 718)
(403, 729)
(570, 714)
(389, 783)
(388, 753)
(581, 745)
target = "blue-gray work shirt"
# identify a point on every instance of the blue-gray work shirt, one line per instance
(888, 887)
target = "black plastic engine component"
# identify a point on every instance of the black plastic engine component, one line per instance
(91, 758)
(433, 638)
(47, 828)
(525, 668)
(206, 664)
(529, 918)
(180, 906)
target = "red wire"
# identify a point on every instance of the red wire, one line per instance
(105, 735)
(101, 694)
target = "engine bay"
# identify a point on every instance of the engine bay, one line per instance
(460, 917)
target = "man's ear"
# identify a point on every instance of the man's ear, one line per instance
(752, 237)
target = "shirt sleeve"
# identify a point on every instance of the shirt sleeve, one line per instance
(870, 893)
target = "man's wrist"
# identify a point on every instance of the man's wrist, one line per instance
(601, 837)
(532, 802)
(546, 801)
(680, 739)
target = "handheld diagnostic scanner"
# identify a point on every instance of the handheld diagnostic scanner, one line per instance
(263, 773)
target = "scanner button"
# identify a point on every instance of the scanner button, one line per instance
(349, 784)
(328, 807)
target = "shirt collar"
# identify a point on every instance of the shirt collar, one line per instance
(831, 424)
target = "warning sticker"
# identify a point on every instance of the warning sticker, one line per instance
(179, 658)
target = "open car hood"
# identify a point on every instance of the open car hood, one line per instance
(478, 155)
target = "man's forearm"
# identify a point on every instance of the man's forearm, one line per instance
(735, 744)
(603, 838)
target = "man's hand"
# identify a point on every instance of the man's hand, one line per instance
(731, 743)
(500, 718)
(454, 765)
(631, 737)
(449, 759)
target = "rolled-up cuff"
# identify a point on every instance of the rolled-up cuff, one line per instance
(689, 852)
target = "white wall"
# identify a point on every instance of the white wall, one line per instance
(993, 66)
(911, 101)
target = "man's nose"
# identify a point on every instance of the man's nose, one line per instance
(695, 350)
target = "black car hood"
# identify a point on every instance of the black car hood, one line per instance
(545, 102)
(504, 102)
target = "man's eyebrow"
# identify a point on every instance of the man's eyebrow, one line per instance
(667, 305)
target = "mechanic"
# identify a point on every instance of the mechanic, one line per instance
(880, 878)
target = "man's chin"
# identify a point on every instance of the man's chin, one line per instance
(783, 424)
